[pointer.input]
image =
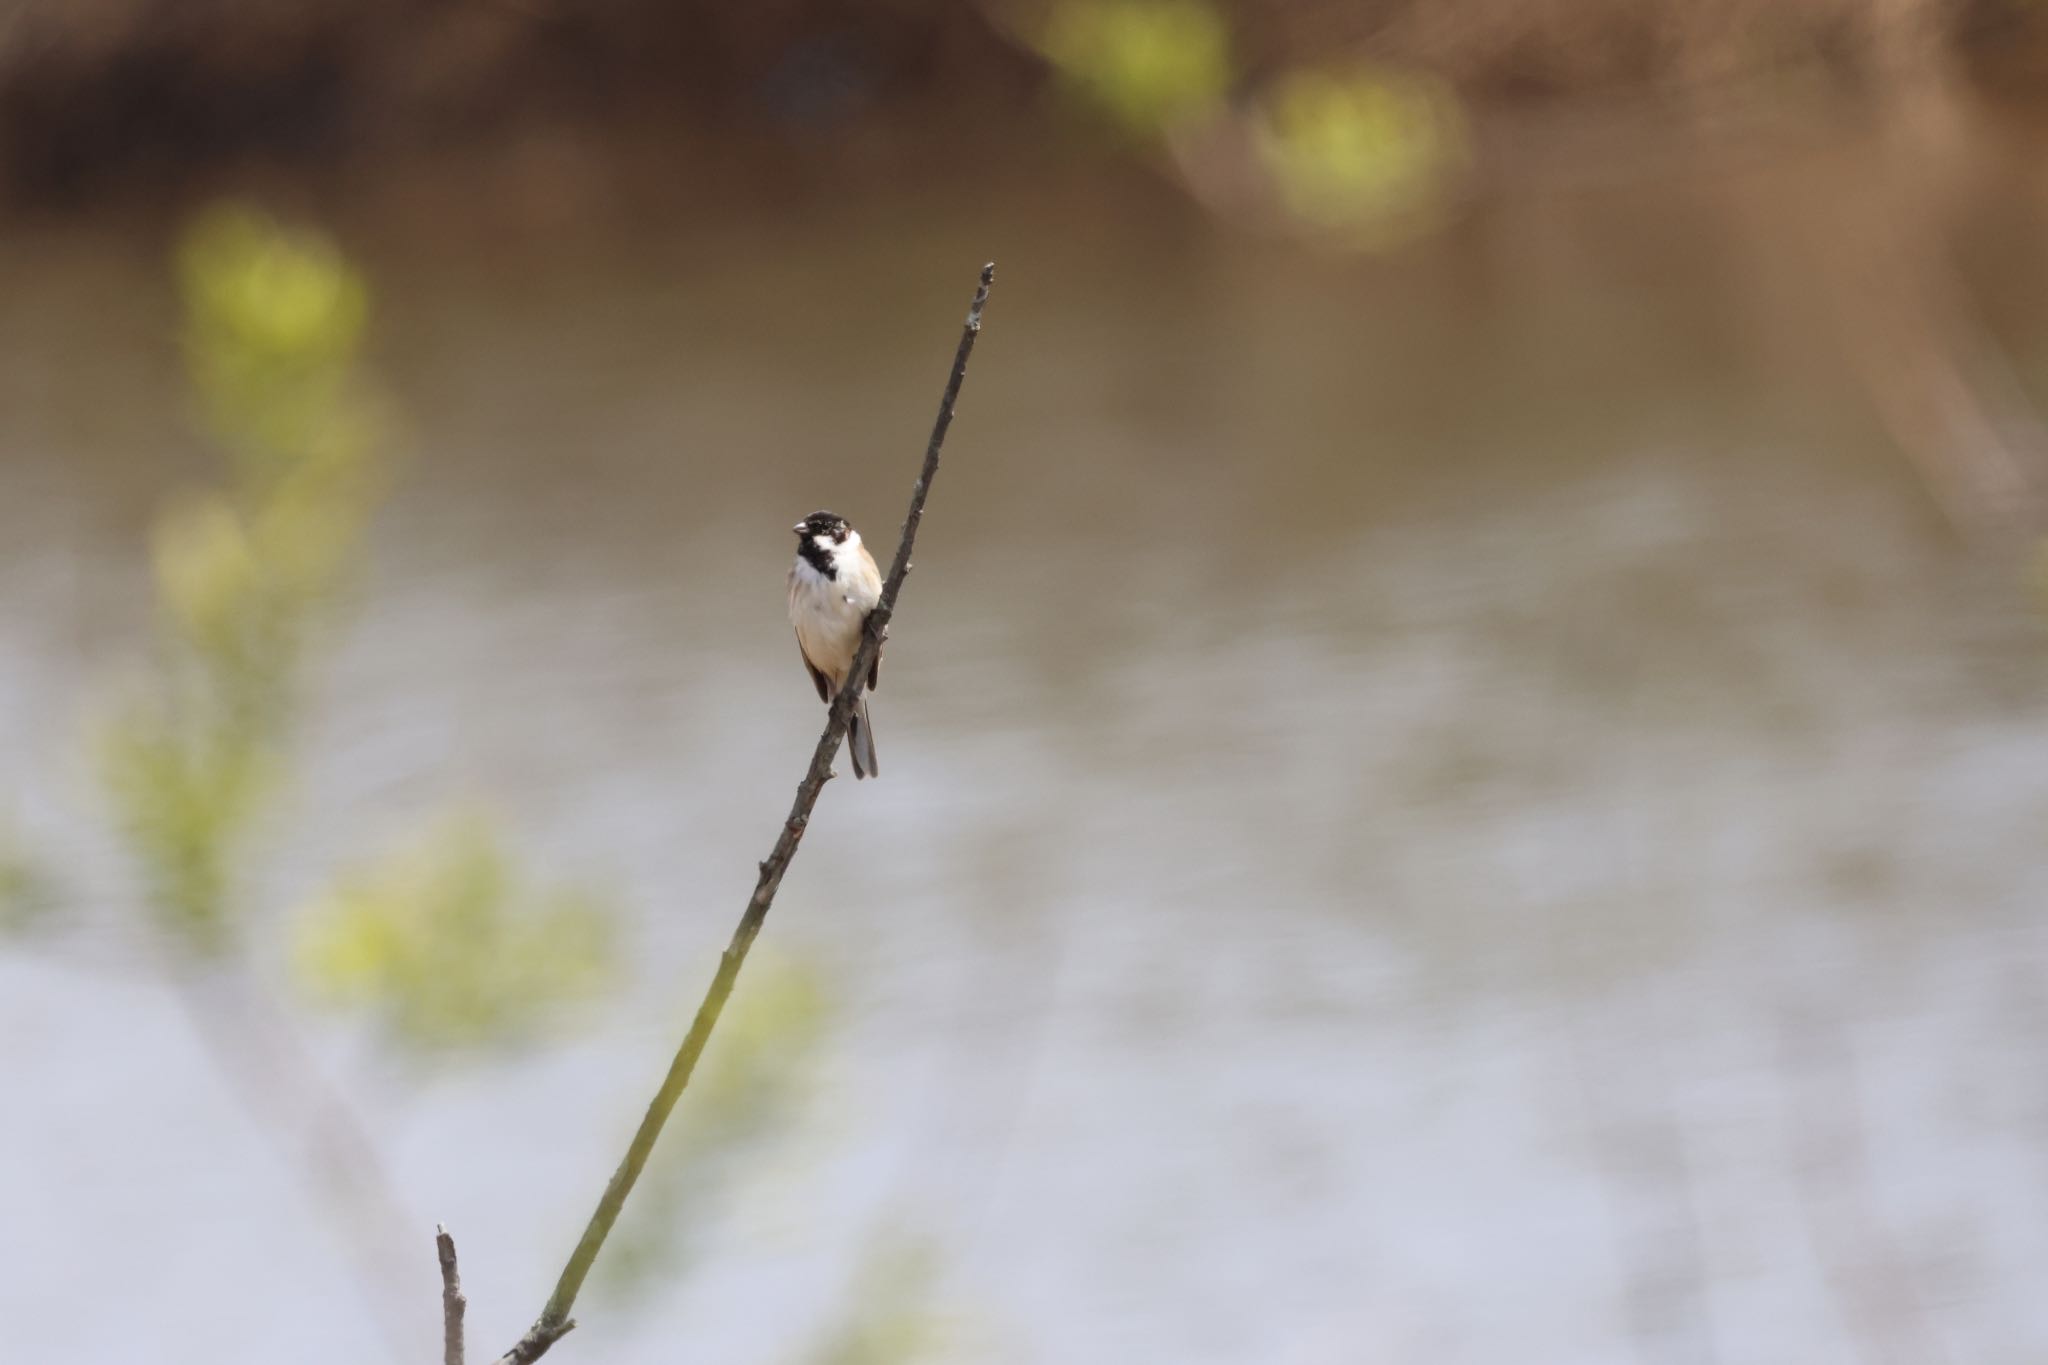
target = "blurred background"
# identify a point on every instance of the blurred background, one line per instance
(1466, 766)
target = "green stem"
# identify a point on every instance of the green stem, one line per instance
(554, 1321)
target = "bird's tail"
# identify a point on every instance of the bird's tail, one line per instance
(860, 741)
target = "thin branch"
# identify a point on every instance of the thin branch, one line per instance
(249, 1038)
(554, 1321)
(453, 1305)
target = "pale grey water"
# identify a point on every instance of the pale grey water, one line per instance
(1420, 823)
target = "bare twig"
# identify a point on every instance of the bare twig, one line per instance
(554, 1321)
(453, 1305)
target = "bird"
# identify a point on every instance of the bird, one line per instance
(833, 585)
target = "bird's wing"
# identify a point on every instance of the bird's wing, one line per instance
(824, 688)
(871, 580)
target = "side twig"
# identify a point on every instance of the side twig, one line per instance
(453, 1305)
(554, 1321)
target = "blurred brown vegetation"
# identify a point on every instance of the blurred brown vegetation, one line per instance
(105, 94)
(95, 93)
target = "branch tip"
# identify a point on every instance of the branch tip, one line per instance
(453, 1304)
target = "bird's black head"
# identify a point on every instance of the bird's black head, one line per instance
(827, 528)
(816, 537)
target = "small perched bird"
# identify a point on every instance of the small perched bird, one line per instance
(833, 586)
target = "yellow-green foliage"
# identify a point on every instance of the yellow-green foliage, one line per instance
(24, 891)
(1374, 154)
(446, 944)
(1146, 63)
(758, 1067)
(891, 1320)
(273, 323)
(443, 940)
(186, 789)
(273, 320)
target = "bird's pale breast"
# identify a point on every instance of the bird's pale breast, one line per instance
(827, 624)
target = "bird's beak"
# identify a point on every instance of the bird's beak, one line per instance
(798, 528)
